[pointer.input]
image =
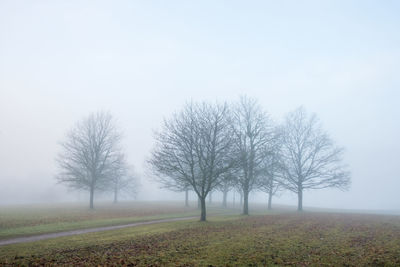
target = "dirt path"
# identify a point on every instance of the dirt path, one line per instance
(84, 231)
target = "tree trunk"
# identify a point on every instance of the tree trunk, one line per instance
(203, 209)
(91, 197)
(270, 199)
(210, 198)
(245, 202)
(225, 196)
(300, 203)
(187, 198)
(115, 196)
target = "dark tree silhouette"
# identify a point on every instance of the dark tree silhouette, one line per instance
(253, 133)
(193, 148)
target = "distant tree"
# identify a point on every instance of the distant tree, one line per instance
(89, 154)
(187, 197)
(311, 159)
(227, 183)
(194, 148)
(270, 180)
(253, 132)
(123, 180)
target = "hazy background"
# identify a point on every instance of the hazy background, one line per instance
(141, 60)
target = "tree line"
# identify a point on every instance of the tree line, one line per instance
(212, 146)
(208, 147)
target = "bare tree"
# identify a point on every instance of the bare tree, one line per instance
(187, 197)
(194, 148)
(123, 179)
(311, 159)
(271, 180)
(253, 132)
(227, 183)
(271, 177)
(89, 154)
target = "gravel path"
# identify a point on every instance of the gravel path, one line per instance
(84, 231)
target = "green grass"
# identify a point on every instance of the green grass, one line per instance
(308, 239)
(19, 216)
(67, 226)
(34, 220)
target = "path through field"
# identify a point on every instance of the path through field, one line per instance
(84, 231)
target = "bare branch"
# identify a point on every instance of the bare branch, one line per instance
(312, 161)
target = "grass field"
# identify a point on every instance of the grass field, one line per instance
(307, 239)
(23, 220)
(18, 221)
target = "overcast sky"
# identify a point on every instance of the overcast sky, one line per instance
(141, 60)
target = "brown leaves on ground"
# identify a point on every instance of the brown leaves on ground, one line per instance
(308, 239)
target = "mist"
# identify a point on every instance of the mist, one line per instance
(142, 61)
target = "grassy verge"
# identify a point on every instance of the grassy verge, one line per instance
(280, 239)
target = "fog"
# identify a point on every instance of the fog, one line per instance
(143, 60)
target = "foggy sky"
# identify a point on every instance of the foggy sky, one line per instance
(142, 60)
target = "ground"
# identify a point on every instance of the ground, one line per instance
(288, 238)
(25, 220)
